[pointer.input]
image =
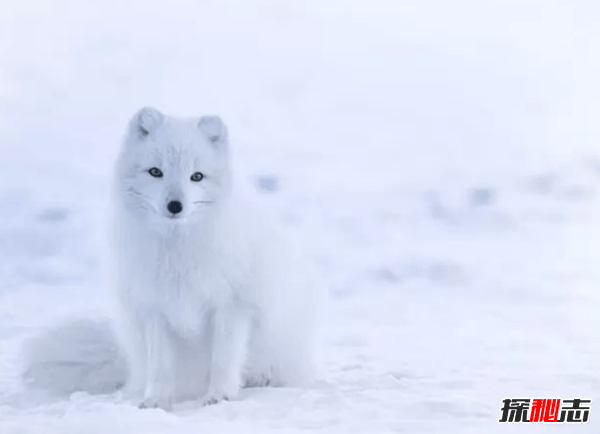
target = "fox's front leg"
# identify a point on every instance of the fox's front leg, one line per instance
(160, 364)
(231, 326)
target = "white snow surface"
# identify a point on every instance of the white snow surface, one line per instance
(439, 161)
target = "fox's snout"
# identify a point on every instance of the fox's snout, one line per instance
(175, 207)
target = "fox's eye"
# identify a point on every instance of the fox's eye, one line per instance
(155, 171)
(197, 177)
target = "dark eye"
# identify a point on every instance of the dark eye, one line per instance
(155, 171)
(197, 177)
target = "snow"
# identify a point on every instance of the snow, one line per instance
(437, 160)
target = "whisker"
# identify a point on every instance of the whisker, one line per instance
(203, 201)
(145, 199)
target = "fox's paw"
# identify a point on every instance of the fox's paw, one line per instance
(156, 402)
(257, 381)
(222, 392)
(214, 399)
(216, 395)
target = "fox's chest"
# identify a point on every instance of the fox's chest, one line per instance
(186, 280)
(183, 288)
(189, 296)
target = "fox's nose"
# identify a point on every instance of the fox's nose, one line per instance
(174, 207)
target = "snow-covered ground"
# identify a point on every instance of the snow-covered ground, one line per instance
(439, 161)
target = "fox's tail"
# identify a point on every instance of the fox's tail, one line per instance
(81, 355)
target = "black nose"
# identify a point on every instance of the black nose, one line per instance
(175, 206)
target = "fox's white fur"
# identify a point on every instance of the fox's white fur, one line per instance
(208, 302)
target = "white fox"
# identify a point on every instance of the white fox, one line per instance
(208, 304)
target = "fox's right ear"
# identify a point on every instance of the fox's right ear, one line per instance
(145, 122)
(213, 128)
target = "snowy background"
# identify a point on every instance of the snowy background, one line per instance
(439, 160)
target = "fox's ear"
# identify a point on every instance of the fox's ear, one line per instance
(213, 128)
(146, 121)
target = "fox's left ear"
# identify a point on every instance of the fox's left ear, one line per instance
(213, 128)
(145, 122)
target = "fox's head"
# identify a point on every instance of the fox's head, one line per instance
(173, 170)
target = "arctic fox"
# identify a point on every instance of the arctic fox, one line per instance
(208, 304)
